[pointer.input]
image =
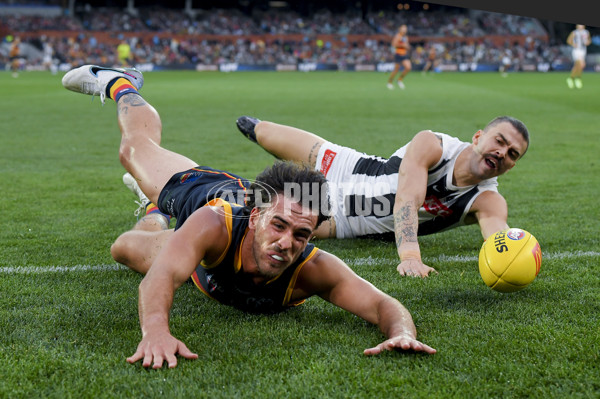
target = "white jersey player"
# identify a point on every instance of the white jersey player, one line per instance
(578, 39)
(433, 183)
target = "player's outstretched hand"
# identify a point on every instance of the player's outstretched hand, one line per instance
(400, 343)
(156, 348)
(414, 268)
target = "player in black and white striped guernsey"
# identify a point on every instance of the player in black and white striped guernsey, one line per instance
(434, 183)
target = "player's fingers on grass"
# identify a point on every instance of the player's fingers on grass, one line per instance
(428, 270)
(403, 272)
(428, 349)
(171, 360)
(158, 361)
(400, 269)
(402, 343)
(138, 355)
(147, 362)
(414, 345)
(185, 352)
(373, 351)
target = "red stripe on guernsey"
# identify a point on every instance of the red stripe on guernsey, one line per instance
(433, 205)
(239, 182)
(197, 283)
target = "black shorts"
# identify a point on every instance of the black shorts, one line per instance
(192, 189)
(400, 58)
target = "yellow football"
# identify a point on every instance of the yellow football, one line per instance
(510, 260)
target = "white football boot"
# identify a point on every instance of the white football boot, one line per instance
(93, 79)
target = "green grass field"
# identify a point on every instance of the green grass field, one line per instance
(68, 313)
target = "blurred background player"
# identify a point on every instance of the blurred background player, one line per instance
(15, 57)
(401, 58)
(48, 60)
(124, 54)
(432, 59)
(579, 39)
(505, 62)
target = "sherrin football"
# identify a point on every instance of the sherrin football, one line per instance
(510, 260)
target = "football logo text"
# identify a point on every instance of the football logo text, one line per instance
(500, 242)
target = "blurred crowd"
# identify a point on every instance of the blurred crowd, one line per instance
(234, 22)
(470, 30)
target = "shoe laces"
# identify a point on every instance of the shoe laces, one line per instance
(140, 210)
(91, 88)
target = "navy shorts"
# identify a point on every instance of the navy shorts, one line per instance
(192, 189)
(399, 58)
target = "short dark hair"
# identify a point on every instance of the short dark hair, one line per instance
(283, 176)
(517, 124)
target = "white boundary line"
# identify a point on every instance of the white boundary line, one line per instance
(60, 269)
(368, 261)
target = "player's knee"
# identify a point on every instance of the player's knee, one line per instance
(125, 252)
(130, 149)
(120, 250)
(126, 151)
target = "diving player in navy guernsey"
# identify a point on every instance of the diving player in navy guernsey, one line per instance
(243, 243)
(434, 183)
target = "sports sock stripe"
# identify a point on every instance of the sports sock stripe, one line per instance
(120, 87)
(152, 208)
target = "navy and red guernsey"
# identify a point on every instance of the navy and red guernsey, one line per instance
(226, 282)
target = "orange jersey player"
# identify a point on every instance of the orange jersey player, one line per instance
(401, 58)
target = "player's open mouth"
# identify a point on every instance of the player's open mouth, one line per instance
(277, 258)
(491, 162)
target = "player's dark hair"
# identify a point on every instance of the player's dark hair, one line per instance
(304, 184)
(517, 124)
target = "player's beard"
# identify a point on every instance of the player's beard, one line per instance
(263, 266)
(486, 171)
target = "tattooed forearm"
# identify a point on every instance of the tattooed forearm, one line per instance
(405, 223)
(397, 228)
(130, 100)
(314, 151)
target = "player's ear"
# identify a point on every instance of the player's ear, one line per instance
(253, 218)
(477, 135)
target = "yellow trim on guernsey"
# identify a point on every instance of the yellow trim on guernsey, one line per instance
(227, 213)
(290, 289)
